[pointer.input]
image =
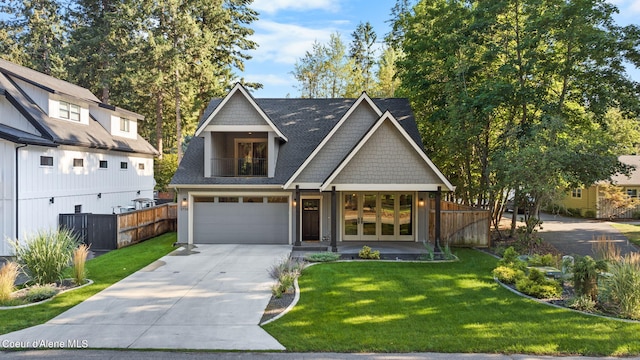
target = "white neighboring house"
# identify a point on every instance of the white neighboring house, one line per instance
(64, 151)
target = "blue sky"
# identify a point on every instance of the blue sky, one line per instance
(288, 28)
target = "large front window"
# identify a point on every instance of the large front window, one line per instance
(378, 216)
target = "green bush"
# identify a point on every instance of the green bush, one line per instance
(40, 292)
(585, 276)
(8, 275)
(622, 288)
(543, 260)
(284, 283)
(322, 257)
(366, 253)
(286, 266)
(590, 214)
(510, 259)
(537, 285)
(583, 303)
(508, 275)
(46, 255)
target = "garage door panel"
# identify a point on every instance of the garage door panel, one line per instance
(241, 223)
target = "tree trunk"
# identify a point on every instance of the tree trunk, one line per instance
(159, 132)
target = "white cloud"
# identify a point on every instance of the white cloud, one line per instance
(269, 80)
(285, 43)
(274, 6)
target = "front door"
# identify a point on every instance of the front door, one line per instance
(377, 216)
(310, 219)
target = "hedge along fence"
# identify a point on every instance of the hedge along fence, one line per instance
(114, 231)
(461, 225)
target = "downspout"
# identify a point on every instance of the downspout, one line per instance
(17, 187)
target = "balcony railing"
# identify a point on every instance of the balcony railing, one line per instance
(254, 167)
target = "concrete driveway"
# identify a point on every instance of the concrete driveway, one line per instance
(575, 236)
(211, 297)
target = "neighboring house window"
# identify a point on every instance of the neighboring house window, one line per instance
(633, 193)
(124, 124)
(77, 209)
(69, 111)
(124, 165)
(46, 160)
(141, 166)
(104, 164)
(576, 193)
(78, 162)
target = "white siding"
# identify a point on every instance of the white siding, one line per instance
(12, 117)
(7, 189)
(70, 186)
(39, 96)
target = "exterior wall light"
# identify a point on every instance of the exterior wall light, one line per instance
(421, 202)
(184, 203)
(295, 202)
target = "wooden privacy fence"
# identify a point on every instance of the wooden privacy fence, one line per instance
(461, 225)
(114, 231)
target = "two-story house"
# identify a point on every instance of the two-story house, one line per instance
(285, 171)
(64, 151)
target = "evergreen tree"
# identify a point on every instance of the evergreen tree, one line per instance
(362, 53)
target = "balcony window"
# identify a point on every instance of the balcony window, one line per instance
(251, 157)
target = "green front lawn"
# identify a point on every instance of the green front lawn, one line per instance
(104, 271)
(632, 232)
(447, 307)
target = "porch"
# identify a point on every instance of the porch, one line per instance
(389, 250)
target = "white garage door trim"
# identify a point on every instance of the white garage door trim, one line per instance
(191, 196)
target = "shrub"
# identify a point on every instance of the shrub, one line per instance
(322, 257)
(366, 253)
(448, 255)
(537, 285)
(508, 275)
(40, 292)
(79, 258)
(46, 255)
(510, 259)
(543, 260)
(585, 276)
(286, 266)
(590, 214)
(622, 288)
(583, 303)
(8, 275)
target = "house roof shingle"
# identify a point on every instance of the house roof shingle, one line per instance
(305, 122)
(63, 132)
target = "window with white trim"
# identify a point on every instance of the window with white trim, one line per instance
(576, 193)
(125, 124)
(69, 111)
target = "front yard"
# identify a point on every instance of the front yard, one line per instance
(450, 307)
(104, 271)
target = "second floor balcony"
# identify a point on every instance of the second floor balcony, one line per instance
(240, 167)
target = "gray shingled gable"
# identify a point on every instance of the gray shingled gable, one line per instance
(305, 122)
(64, 132)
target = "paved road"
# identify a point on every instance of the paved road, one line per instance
(210, 298)
(575, 236)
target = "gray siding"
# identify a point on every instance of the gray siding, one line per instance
(387, 158)
(238, 111)
(339, 146)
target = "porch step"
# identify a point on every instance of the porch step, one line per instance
(311, 248)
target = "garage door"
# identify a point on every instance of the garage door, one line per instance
(241, 220)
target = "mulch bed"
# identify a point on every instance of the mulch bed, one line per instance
(277, 305)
